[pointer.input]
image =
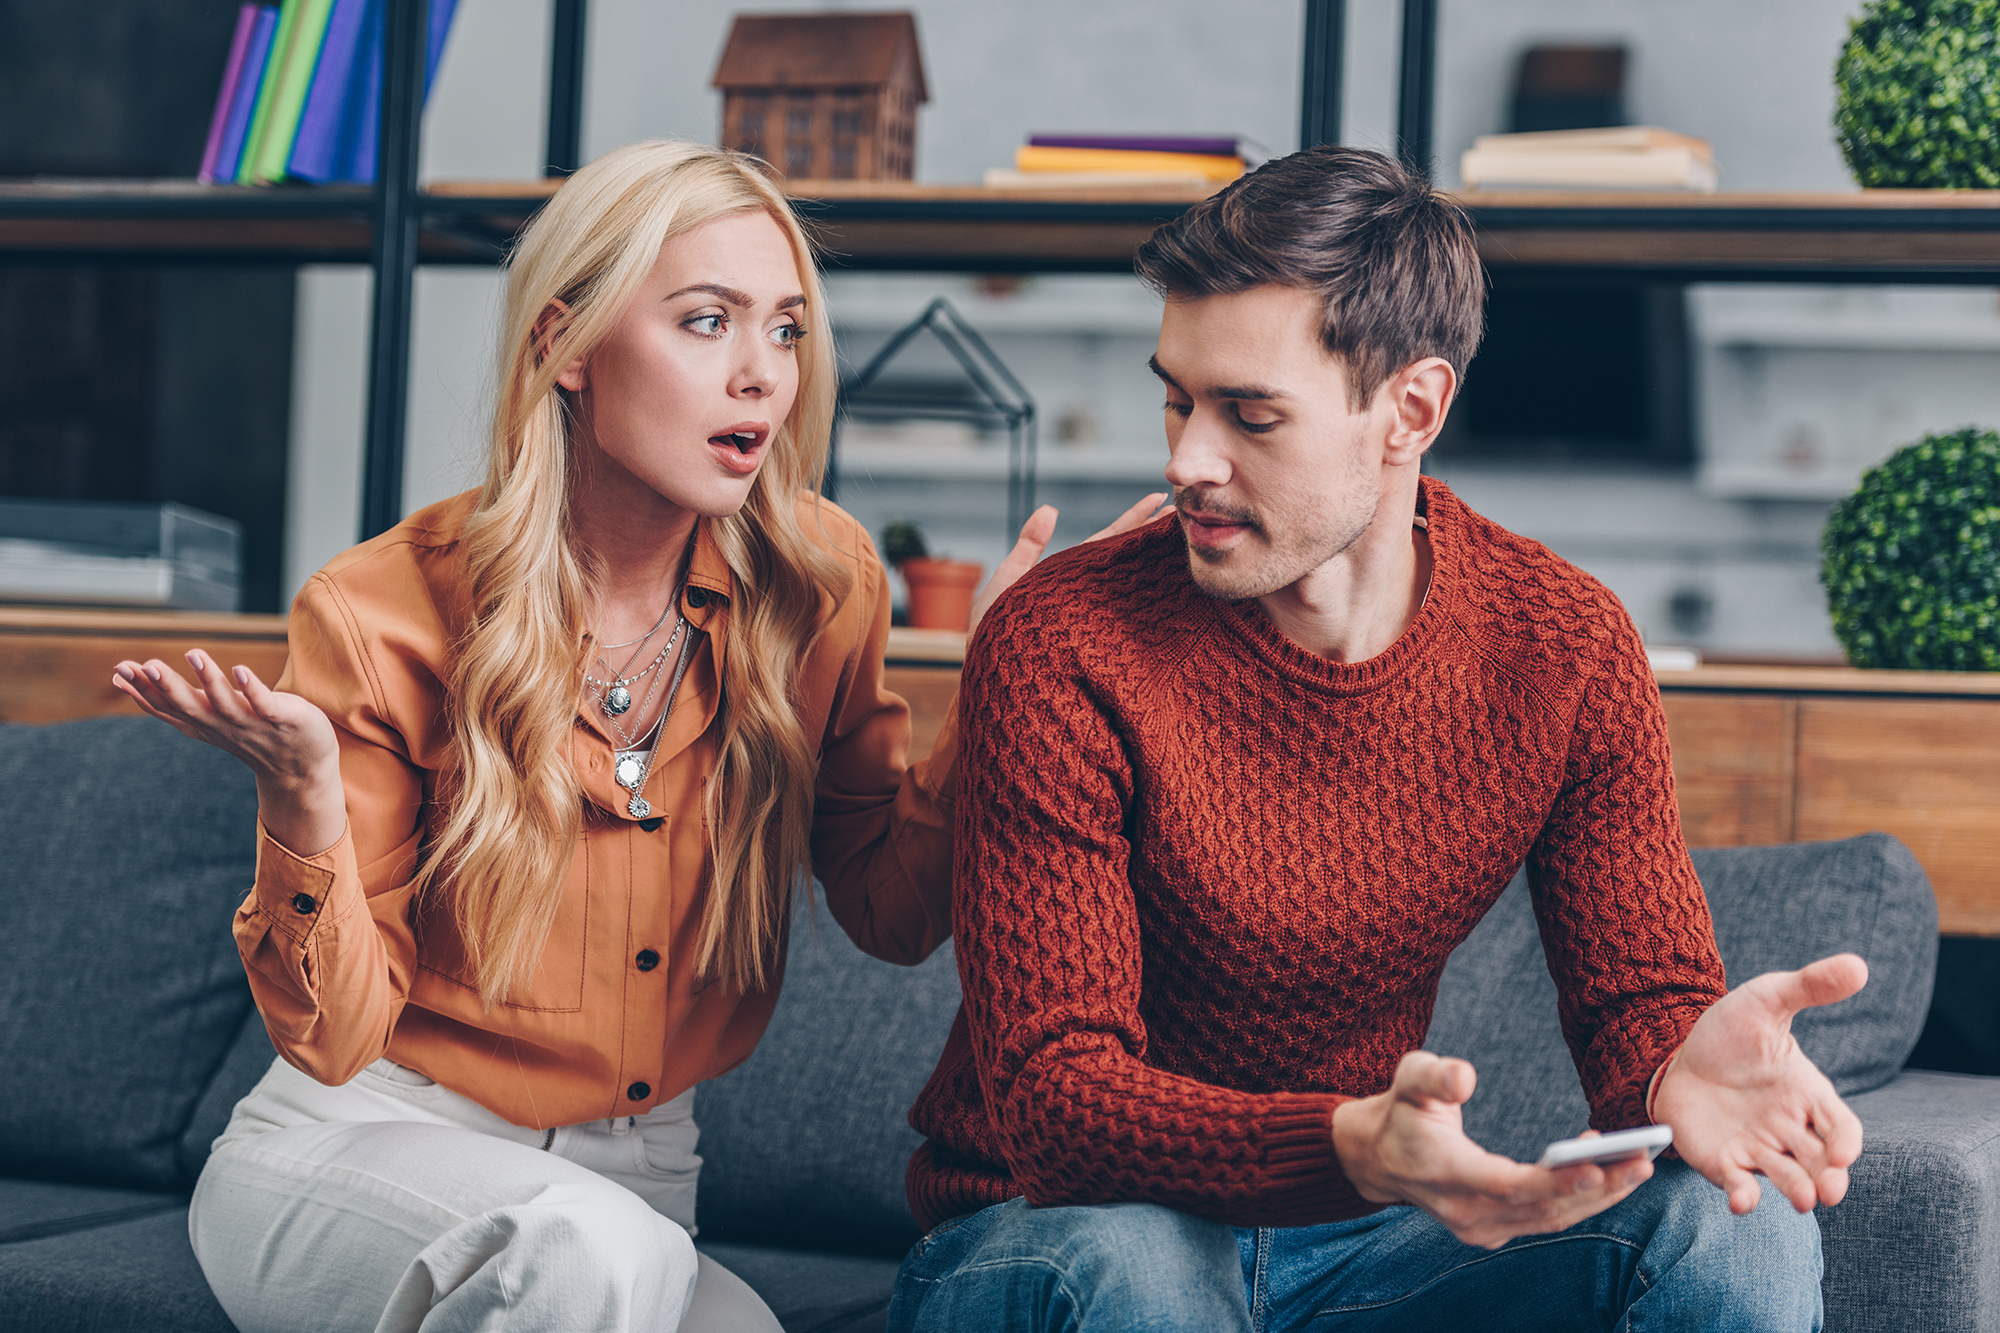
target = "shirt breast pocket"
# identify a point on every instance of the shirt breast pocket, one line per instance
(555, 986)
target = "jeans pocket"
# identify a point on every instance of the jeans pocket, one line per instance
(397, 1080)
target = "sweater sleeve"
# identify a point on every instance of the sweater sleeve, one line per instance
(882, 826)
(1051, 957)
(1624, 922)
(325, 934)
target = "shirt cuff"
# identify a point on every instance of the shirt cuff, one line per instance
(295, 891)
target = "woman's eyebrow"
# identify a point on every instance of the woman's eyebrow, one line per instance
(734, 297)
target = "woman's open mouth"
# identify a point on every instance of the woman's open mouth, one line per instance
(740, 447)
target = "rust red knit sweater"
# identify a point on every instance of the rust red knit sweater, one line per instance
(1206, 881)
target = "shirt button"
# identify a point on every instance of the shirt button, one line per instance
(697, 597)
(647, 960)
(304, 905)
(638, 1092)
(652, 825)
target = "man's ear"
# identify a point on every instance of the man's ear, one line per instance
(550, 326)
(1419, 394)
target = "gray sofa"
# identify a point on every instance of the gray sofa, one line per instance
(126, 1033)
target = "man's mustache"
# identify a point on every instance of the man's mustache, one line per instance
(1192, 506)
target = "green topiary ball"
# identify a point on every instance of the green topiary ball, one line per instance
(1917, 94)
(1912, 567)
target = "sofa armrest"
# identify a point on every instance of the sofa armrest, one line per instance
(1912, 1245)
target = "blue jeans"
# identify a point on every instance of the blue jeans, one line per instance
(1669, 1257)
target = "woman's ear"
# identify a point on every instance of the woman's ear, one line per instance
(550, 326)
(1421, 394)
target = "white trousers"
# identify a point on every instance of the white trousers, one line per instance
(395, 1205)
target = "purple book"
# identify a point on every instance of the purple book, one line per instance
(1216, 146)
(316, 152)
(361, 132)
(239, 44)
(243, 101)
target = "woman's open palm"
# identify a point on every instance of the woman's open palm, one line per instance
(282, 738)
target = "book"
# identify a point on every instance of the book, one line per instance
(232, 72)
(1619, 138)
(293, 75)
(1207, 165)
(1230, 145)
(1005, 178)
(288, 14)
(1655, 168)
(366, 138)
(330, 118)
(243, 99)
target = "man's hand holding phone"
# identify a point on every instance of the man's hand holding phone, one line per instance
(1408, 1145)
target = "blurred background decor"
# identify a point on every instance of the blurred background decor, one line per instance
(1912, 568)
(832, 96)
(1917, 101)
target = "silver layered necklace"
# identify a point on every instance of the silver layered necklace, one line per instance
(632, 763)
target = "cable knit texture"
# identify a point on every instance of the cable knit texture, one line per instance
(1206, 881)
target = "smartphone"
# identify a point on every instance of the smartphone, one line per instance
(1607, 1148)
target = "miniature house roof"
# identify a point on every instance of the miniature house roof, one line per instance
(821, 51)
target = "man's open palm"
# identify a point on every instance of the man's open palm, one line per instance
(1744, 1100)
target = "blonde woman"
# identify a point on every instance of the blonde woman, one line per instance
(545, 767)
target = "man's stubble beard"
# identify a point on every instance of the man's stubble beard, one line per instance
(1269, 564)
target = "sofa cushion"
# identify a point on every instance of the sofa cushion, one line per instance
(1912, 1245)
(1775, 908)
(248, 1058)
(806, 1142)
(32, 1209)
(814, 1293)
(110, 1279)
(127, 847)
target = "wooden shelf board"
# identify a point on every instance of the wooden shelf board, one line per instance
(61, 620)
(1832, 680)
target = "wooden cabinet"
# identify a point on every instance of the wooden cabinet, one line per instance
(1761, 754)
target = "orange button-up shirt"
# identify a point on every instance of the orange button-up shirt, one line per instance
(347, 965)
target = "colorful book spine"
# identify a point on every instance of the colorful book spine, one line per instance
(232, 71)
(294, 71)
(360, 166)
(326, 123)
(243, 98)
(1208, 166)
(1200, 146)
(288, 16)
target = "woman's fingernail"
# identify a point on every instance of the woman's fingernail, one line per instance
(242, 675)
(122, 671)
(153, 674)
(194, 660)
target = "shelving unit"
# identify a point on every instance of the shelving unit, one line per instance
(1876, 236)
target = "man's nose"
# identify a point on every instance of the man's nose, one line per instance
(1197, 458)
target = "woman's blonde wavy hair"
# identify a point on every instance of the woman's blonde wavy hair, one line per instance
(511, 802)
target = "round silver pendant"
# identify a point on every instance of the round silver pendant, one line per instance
(629, 771)
(638, 808)
(617, 699)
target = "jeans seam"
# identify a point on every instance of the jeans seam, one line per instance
(1470, 1263)
(1260, 1291)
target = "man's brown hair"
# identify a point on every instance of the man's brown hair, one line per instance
(1392, 259)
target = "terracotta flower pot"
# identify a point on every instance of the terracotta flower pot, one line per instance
(941, 592)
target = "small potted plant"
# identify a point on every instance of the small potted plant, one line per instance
(941, 589)
(1912, 568)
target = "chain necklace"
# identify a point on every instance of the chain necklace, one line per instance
(671, 604)
(613, 698)
(631, 770)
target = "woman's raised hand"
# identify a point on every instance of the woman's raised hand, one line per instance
(1035, 535)
(284, 740)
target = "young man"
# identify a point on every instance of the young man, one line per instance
(1234, 786)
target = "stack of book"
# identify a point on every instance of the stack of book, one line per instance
(1098, 160)
(301, 95)
(1635, 157)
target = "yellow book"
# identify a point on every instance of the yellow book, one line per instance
(1208, 167)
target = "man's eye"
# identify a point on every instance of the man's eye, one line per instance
(709, 326)
(1179, 409)
(1254, 427)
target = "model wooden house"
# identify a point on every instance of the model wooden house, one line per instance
(832, 96)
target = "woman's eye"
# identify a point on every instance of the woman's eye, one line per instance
(708, 326)
(788, 335)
